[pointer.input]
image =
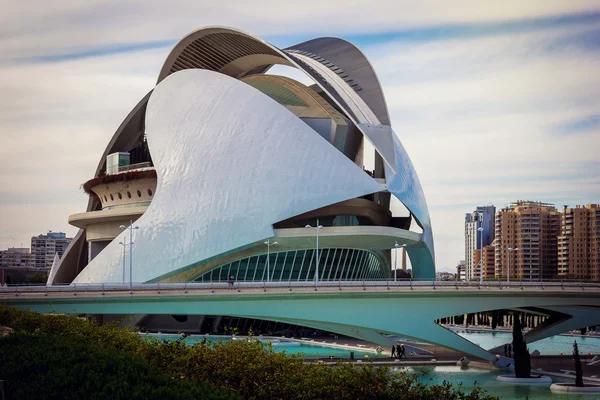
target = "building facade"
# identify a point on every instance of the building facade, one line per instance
(45, 247)
(579, 243)
(482, 217)
(526, 245)
(16, 257)
(489, 262)
(460, 270)
(272, 157)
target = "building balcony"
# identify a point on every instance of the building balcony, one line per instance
(133, 188)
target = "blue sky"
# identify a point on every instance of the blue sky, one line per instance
(493, 102)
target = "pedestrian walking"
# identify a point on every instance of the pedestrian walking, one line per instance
(402, 351)
(393, 351)
(509, 350)
(231, 282)
(505, 349)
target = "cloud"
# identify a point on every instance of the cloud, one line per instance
(479, 117)
(62, 27)
(494, 102)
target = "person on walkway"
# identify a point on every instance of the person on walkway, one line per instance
(393, 351)
(509, 350)
(402, 351)
(505, 349)
(231, 282)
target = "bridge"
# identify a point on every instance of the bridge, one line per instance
(360, 309)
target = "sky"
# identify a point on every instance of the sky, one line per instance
(494, 101)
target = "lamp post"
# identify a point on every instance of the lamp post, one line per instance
(131, 228)
(269, 244)
(397, 246)
(317, 249)
(404, 245)
(480, 230)
(123, 244)
(510, 249)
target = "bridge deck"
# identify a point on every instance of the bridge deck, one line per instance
(247, 288)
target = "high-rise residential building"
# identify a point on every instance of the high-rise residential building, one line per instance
(16, 257)
(44, 247)
(489, 262)
(526, 240)
(579, 243)
(482, 217)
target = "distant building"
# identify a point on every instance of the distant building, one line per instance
(482, 217)
(526, 240)
(579, 243)
(460, 270)
(489, 262)
(445, 276)
(44, 247)
(16, 257)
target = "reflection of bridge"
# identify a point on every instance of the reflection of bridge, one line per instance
(362, 309)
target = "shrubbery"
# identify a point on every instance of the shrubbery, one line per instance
(250, 369)
(61, 367)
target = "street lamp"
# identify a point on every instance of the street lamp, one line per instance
(123, 244)
(480, 230)
(131, 228)
(510, 249)
(317, 249)
(397, 246)
(269, 244)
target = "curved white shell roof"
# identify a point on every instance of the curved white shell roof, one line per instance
(230, 162)
(344, 75)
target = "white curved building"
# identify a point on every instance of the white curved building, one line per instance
(220, 157)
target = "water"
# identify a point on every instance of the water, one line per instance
(309, 350)
(554, 345)
(437, 374)
(486, 379)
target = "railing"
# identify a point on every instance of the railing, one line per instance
(130, 167)
(258, 287)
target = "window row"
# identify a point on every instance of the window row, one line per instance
(120, 196)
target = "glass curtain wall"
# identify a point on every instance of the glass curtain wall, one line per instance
(301, 265)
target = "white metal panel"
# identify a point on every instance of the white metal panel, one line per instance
(405, 185)
(230, 163)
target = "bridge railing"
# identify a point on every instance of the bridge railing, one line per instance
(261, 286)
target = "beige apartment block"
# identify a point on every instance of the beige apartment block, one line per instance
(530, 230)
(489, 262)
(579, 243)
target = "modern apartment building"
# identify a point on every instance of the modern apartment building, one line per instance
(44, 247)
(489, 262)
(16, 257)
(482, 217)
(579, 243)
(526, 240)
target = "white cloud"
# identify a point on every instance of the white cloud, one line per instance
(474, 113)
(477, 117)
(62, 25)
